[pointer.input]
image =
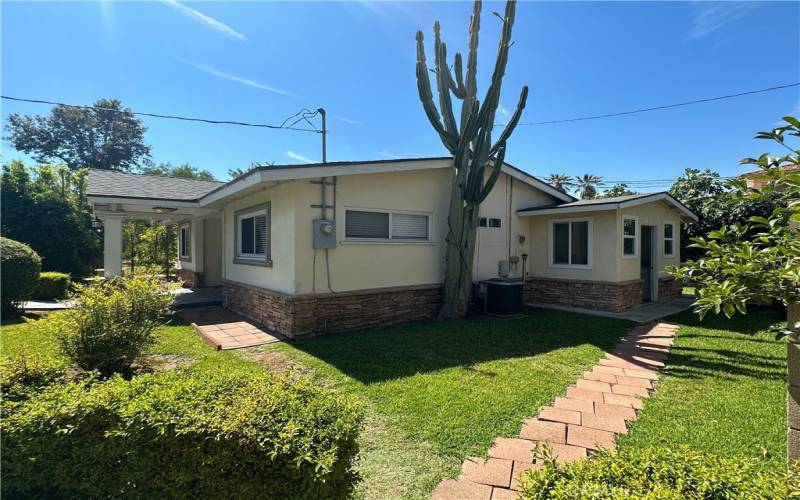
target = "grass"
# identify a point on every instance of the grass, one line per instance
(724, 391)
(439, 392)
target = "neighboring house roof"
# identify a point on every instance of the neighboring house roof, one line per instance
(113, 184)
(108, 184)
(617, 202)
(760, 172)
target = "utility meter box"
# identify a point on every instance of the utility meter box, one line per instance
(324, 233)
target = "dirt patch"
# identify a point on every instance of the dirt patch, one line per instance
(278, 362)
(161, 363)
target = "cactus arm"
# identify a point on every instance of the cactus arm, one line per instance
(512, 123)
(471, 82)
(458, 89)
(497, 168)
(443, 81)
(426, 96)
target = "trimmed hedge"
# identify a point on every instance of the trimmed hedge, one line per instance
(19, 273)
(186, 433)
(52, 286)
(657, 473)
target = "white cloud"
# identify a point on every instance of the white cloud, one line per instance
(389, 156)
(711, 19)
(299, 157)
(208, 21)
(504, 112)
(237, 79)
(348, 120)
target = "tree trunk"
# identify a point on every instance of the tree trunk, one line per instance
(793, 397)
(462, 221)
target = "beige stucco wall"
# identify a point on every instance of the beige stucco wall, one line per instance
(604, 262)
(493, 244)
(196, 238)
(279, 277)
(365, 265)
(650, 214)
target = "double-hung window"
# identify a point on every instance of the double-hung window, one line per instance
(490, 222)
(372, 225)
(253, 235)
(669, 239)
(571, 243)
(184, 242)
(630, 233)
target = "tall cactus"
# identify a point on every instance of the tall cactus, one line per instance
(476, 160)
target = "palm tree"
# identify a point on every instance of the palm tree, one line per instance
(587, 185)
(562, 182)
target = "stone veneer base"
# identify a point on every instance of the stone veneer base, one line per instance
(598, 295)
(304, 315)
(190, 278)
(669, 289)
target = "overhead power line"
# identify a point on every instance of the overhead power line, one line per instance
(171, 117)
(656, 108)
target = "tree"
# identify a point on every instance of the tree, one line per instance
(758, 260)
(587, 185)
(616, 190)
(186, 171)
(476, 161)
(234, 173)
(46, 208)
(105, 136)
(562, 182)
(717, 204)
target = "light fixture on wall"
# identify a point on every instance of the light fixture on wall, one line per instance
(164, 210)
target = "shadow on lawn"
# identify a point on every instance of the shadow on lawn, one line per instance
(377, 355)
(712, 352)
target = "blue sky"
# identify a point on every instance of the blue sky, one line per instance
(263, 61)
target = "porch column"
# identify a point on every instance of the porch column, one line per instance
(112, 246)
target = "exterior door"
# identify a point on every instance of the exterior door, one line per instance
(212, 252)
(647, 262)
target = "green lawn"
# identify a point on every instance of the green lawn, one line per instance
(724, 391)
(436, 392)
(439, 392)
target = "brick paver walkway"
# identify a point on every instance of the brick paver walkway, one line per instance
(595, 409)
(225, 329)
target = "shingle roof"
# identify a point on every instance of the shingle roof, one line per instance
(125, 185)
(610, 204)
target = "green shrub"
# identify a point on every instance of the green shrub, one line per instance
(185, 433)
(654, 473)
(19, 273)
(111, 323)
(22, 375)
(52, 285)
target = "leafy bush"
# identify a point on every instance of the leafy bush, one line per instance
(111, 324)
(185, 433)
(662, 473)
(22, 376)
(19, 272)
(52, 285)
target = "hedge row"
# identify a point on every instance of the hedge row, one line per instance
(658, 473)
(52, 286)
(186, 433)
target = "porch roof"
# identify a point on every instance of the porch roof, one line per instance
(127, 186)
(600, 204)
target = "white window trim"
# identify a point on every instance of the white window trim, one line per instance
(240, 257)
(389, 240)
(186, 257)
(635, 254)
(590, 243)
(673, 239)
(488, 218)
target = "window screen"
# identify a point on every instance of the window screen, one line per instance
(561, 243)
(669, 239)
(360, 224)
(409, 227)
(580, 243)
(254, 234)
(628, 236)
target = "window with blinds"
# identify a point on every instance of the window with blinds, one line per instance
(571, 243)
(371, 225)
(253, 234)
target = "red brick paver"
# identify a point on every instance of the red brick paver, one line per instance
(224, 329)
(595, 410)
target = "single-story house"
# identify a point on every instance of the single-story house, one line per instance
(328, 247)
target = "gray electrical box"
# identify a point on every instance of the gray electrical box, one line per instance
(324, 233)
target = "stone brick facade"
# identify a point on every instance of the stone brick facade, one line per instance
(669, 289)
(303, 315)
(190, 278)
(599, 295)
